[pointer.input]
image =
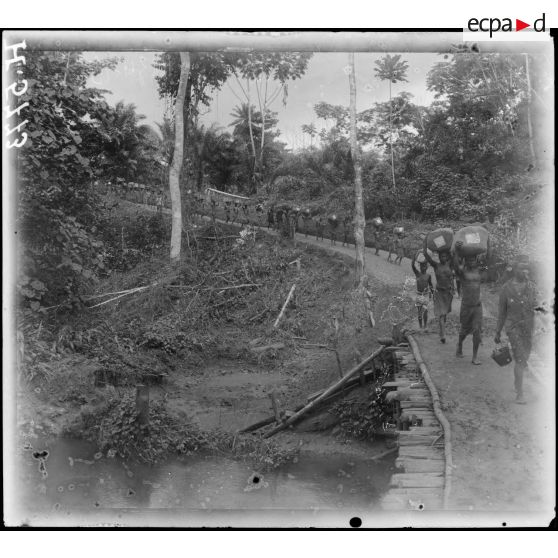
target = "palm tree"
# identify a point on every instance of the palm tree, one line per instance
(127, 139)
(244, 124)
(392, 69)
(311, 130)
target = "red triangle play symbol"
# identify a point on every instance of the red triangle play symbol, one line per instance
(519, 25)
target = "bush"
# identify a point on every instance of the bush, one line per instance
(116, 430)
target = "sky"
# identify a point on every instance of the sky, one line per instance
(326, 80)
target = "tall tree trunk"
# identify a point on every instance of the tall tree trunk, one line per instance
(176, 165)
(359, 222)
(199, 170)
(391, 137)
(529, 123)
(263, 109)
(252, 142)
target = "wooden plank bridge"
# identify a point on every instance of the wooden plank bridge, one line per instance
(423, 461)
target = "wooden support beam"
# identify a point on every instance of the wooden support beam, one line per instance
(332, 389)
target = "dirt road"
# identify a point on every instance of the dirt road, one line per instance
(503, 453)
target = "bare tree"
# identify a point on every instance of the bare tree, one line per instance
(176, 165)
(359, 222)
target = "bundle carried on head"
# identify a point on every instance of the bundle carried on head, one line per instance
(398, 230)
(474, 241)
(439, 240)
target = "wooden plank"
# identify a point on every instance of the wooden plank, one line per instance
(412, 476)
(421, 451)
(417, 392)
(423, 461)
(427, 439)
(397, 383)
(430, 422)
(420, 480)
(417, 441)
(421, 465)
(434, 456)
(424, 431)
(416, 405)
(426, 413)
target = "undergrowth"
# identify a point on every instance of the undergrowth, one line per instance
(116, 431)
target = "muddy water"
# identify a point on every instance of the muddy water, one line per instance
(73, 480)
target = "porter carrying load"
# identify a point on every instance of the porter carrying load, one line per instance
(474, 241)
(440, 240)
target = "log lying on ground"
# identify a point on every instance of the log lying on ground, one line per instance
(332, 389)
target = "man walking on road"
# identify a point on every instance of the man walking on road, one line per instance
(443, 294)
(424, 291)
(376, 239)
(470, 316)
(319, 228)
(516, 310)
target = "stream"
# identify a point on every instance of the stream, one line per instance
(64, 481)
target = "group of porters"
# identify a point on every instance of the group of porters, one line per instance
(457, 259)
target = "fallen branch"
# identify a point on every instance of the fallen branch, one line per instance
(333, 388)
(217, 237)
(246, 285)
(284, 306)
(243, 286)
(131, 291)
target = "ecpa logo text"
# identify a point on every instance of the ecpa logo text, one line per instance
(494, 25)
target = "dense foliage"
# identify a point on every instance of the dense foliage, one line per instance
(458, 159)
(75, 140)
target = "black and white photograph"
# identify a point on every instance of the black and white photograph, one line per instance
(278, 280)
